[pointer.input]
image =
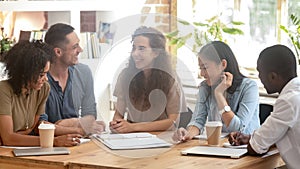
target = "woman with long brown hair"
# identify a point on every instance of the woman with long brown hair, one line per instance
(147, 89)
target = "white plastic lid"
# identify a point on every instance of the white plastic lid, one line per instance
(214, 123)
(46, 126)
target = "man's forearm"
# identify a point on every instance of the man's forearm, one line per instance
(62, 130)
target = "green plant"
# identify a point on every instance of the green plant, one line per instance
(204, 32)
(294, 33)
(5, 42)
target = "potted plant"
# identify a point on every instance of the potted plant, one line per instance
(294, 33)
(5, 43)
(203, 32)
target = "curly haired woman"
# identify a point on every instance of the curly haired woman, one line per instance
(23, 95)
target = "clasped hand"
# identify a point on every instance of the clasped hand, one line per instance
(120, 126)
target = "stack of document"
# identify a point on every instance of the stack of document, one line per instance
(131, 141)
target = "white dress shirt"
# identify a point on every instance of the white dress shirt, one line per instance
(282, 127)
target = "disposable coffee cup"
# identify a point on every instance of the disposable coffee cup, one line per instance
(213, 132)
(46, 135)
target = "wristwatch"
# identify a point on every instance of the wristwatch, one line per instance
(225, 110)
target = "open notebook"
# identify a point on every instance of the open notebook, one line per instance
(215, 151)
(131, 141)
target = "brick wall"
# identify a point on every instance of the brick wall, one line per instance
(87, 21)
(166, 22)
(165, 11)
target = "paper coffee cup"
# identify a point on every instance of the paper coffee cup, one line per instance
(213, 132)
(46, 135)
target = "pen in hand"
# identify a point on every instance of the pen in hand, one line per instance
(125, 114)
(240, 136)
(236, 139)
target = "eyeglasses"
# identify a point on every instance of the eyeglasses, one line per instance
(42, 74)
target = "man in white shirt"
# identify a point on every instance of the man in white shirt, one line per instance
(278, 73)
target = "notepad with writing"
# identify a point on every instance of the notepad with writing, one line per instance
(131, 141)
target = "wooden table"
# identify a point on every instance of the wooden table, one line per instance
(92, 155)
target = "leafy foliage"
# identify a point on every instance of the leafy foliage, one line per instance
(294, 33)
(5, 43)
(203, 32)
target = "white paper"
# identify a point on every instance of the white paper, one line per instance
(204, 137)
(131, 141)
(228, 145)
(269, 153)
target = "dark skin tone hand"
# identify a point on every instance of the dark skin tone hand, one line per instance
(238, 138)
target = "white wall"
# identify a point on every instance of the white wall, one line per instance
(28, 21)
(59, 16)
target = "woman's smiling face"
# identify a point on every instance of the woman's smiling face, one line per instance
(142, 53)
(42, 78)
(210, 70)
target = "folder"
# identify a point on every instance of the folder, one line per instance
(131, 141)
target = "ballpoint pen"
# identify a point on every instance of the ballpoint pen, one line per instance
(125, 114)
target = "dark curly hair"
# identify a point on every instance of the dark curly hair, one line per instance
(25, 61)
(162, 76)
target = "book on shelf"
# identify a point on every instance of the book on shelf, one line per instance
(90, 45)
(106, 32)
(24, 35)
(32, 35)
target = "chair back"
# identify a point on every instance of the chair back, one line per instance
(264, 111)
(185, 118)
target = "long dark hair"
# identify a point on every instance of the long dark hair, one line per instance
(25, 61)
(216, 51)
(161, 73)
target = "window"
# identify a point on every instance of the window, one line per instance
(261, 18)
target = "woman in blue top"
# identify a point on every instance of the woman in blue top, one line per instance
(225, 95)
